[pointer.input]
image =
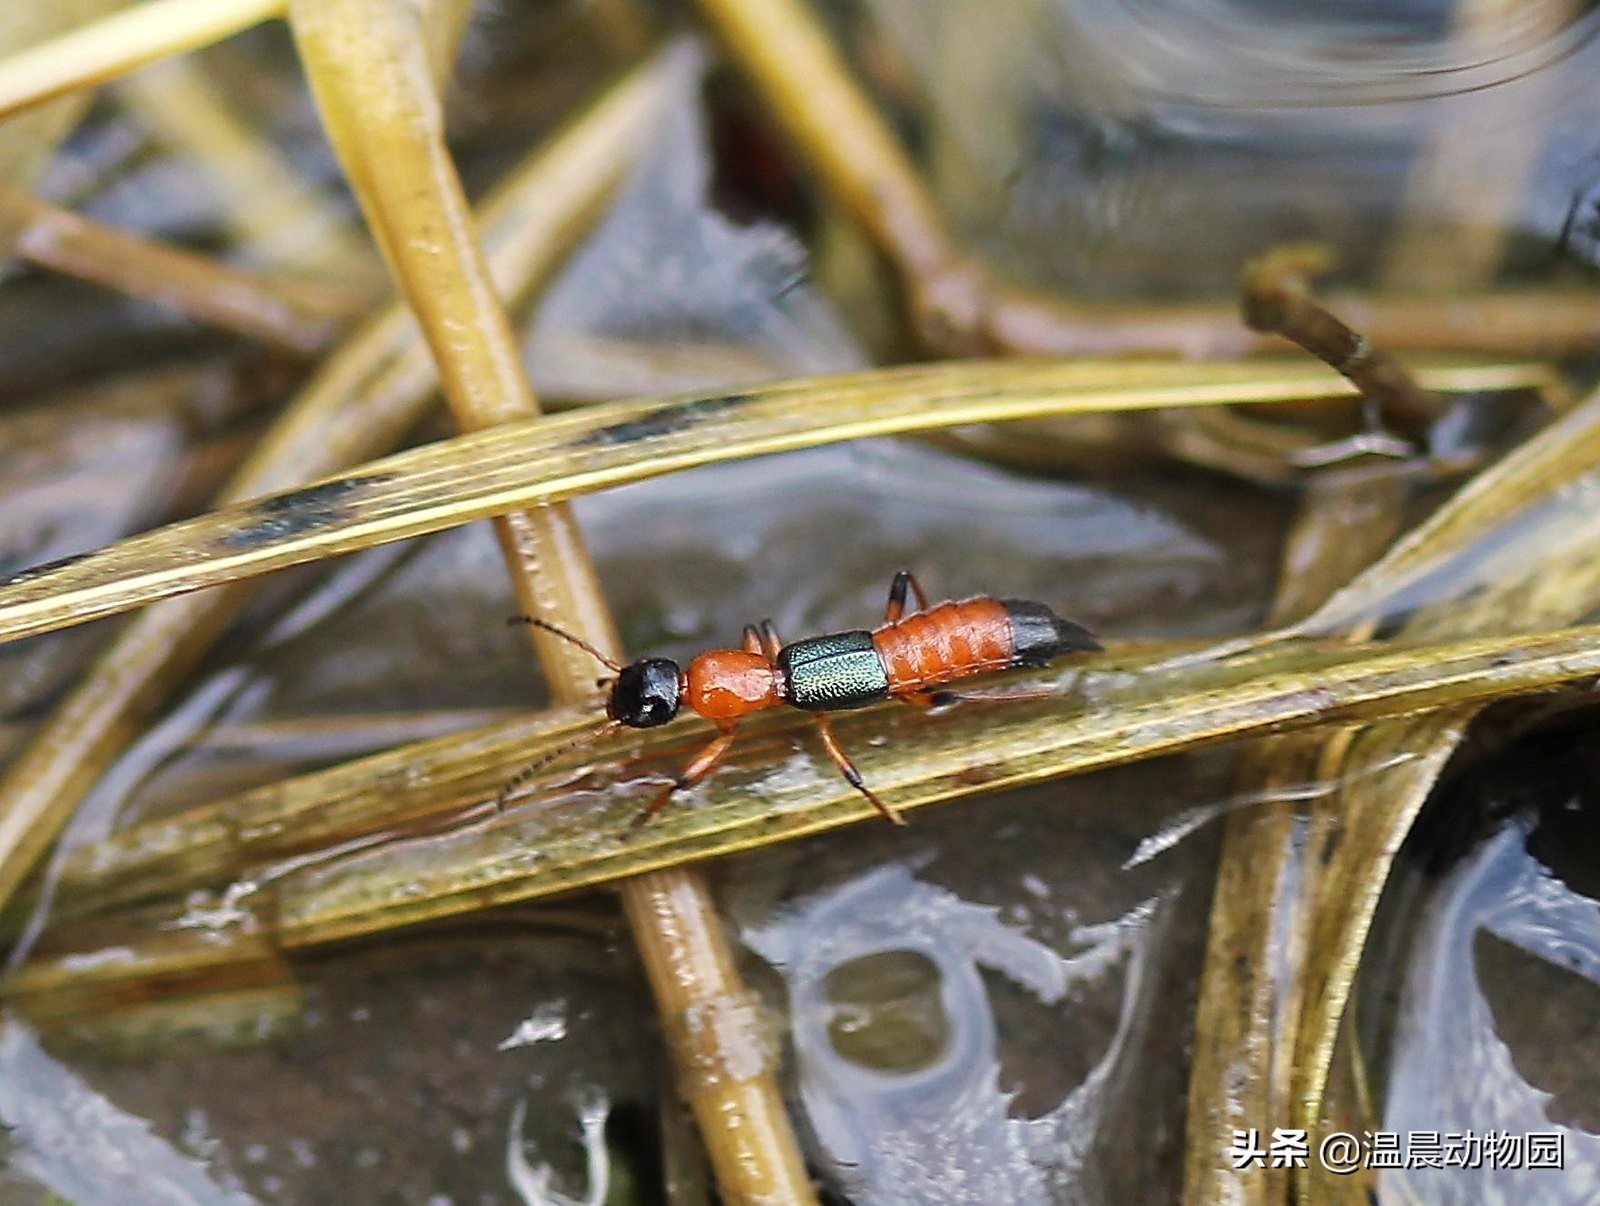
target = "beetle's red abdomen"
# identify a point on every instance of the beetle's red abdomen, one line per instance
(728, 683)
(946, 642)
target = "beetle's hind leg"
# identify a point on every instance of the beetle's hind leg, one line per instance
(938, 700)
(904, 580)
(848, 769)
(946, 699)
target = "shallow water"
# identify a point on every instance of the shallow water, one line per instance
(1497, 962)
(1038, 876)
(1131, 148)
(995, 1003)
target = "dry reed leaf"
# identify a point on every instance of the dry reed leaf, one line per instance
(26, 143)
(1515, 550)
(1243, 1036)
(94, 53)
(171, 977)
(1110, 711)
(552, 458)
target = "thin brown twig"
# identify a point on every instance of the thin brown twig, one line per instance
(1277, 299)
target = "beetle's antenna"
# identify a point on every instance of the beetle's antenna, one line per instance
(549, 756)
(567, 636)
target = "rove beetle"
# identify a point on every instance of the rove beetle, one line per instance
(904, 658)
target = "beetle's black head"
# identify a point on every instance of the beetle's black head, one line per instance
(645, 693)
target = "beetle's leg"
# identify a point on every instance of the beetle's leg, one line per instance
(943, 699)
(903, 581)
(752, 639)
(770, 641)
(848, 768)
(930, 700)
(699, 767)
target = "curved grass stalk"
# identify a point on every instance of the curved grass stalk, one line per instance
(553, 458)
(114, 45)
(370, 392)
(258, 851)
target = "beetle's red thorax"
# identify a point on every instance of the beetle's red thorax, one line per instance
(728, 683)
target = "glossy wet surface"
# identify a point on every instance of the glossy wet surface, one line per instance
(993, 1004)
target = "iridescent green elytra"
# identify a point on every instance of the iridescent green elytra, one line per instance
(834, 672)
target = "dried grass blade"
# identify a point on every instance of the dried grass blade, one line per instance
(1112, 711)
(115, 45)
(420, 783)
(545, 460)
(219, 975)
(372, 390)
(1517, 549)
(1159, 711)
(1247, 1016)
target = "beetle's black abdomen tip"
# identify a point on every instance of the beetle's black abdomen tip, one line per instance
(1075, 638)
(1038, 635)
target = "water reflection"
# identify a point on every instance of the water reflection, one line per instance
(1504, 960)
(895, 1038)
(534, 1183)
(671, 295)
(1085, 144)
(62, 1134)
